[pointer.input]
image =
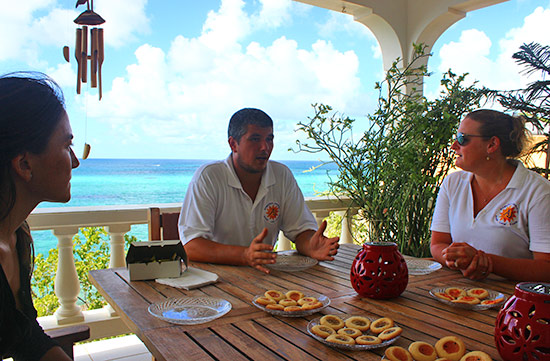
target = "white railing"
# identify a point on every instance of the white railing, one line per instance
(118, 220)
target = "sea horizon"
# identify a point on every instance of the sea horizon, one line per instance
(124, 181)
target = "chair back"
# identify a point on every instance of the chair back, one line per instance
(162, 226)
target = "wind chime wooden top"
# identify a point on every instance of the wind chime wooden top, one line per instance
(96, 54)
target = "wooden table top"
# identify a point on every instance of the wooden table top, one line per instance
(248, 333)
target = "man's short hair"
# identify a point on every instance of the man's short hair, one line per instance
(238, 124)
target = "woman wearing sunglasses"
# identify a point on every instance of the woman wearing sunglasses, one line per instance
(494, 215)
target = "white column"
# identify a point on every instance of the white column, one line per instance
(67, 286)
(320, 216)
(117, 233)
(345, 234)
(283, 243)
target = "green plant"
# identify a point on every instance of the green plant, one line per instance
(533, 102)
(91, 251)
(394, 170)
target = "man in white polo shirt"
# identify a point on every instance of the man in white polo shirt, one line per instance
(233, 209)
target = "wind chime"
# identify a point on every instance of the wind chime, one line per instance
(96, 54)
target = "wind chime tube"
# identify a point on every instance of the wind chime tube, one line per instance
(94, 56)
(84, 54)
(77, 54)
(100, 57)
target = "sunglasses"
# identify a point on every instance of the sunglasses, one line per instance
(463, 139)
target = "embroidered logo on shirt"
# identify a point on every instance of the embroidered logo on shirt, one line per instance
(271, 212)
(508, 214)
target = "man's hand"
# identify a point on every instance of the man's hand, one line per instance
(316, 245)
(259, 254)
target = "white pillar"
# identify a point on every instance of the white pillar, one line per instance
(67, 286)
(283, 243)
(345, 234)
(320, 216)
(117, 233)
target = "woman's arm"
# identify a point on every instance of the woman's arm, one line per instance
(536, 269)
(56, 353)
(440, 241)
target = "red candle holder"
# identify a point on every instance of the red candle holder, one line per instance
(522, 330)
(379, 271)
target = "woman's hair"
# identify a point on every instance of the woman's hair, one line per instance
(31, 106)
(509, 129)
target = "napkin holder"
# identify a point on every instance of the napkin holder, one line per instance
(156, 259)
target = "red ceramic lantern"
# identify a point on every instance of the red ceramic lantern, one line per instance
(522, 330)
(379, 271)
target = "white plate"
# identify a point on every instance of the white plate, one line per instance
(291, 261)
(418, 266)
(190, 310)
(492, 296)
(316, 321)
(321, 298)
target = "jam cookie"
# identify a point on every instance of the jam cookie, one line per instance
(294, 295)
(358, 322)
(332, 321)
(467, 300)
(390, 333)
(303, 300)
(295, 308)
(264, 301)
(444, 296)
(287, 302)
(341, 339)
(476, 356)
(492, 302)
(312, 305)
(322, 331)
(381, 324)
(422, 351)
(275, 306)
(450, 347)
(367, 340)
(455, 292)
(274, 294)
(351, 332)
(480, 293)
(397, 353)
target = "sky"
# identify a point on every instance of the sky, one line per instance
(175, 71)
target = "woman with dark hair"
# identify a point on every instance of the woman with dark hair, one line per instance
(494, 216)
(36, 161)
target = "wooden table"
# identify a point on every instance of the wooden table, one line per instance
(247, 333)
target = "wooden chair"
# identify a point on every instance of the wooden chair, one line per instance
(67, 336)
(162, 226)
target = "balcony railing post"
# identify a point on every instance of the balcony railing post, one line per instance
(345, 234)
(283, 243)
(117, 233)
(67, 285)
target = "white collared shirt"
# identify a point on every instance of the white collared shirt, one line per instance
(513, 224)
(217, 208)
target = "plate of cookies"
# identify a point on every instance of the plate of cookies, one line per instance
(291, 303)
(354, 332)
(446, 348)
(291, 261)
(468, 298)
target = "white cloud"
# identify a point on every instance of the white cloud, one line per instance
(273, 13)
(186, 94)
(124, 19)
(472, 53)
(344, 23)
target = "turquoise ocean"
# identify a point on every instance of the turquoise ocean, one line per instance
(98, 182)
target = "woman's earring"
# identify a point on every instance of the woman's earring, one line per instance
(488, 158)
